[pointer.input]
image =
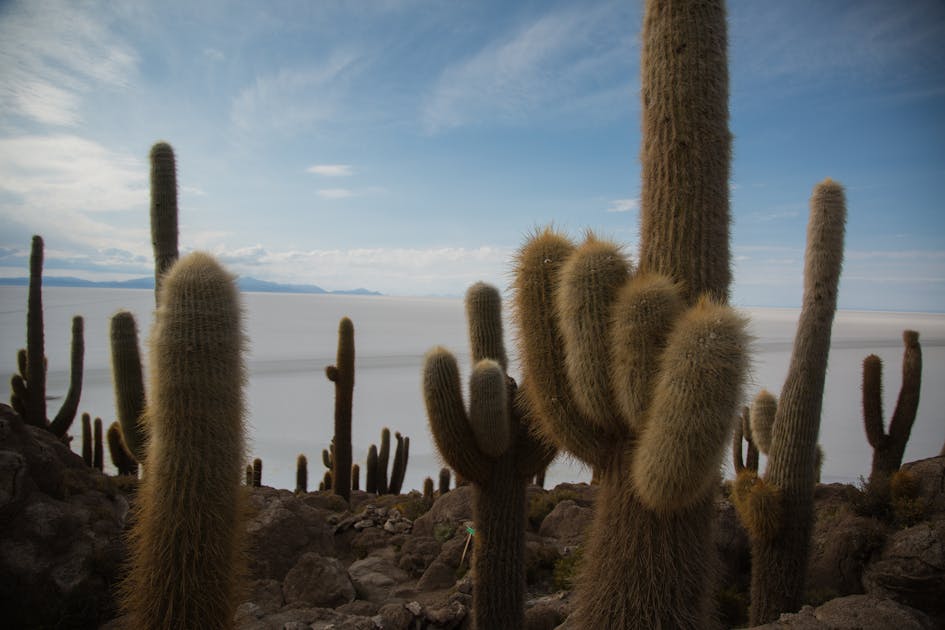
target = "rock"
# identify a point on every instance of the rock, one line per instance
(283, 528)
(841, 545)
(546, 613)
(417, 553)
(930, 474)
(734, 548)
(317, 580)
(396, 617)
(567, 523)
(376, 576)
(854, 612)
(449, 511)
(443, 571)
(61, 549)
(266, 595)
(911, 568)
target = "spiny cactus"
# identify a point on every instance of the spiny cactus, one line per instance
(399, 466)
(120, 455)
(741, 434)
(128, 382)
(383, 457)
(428, 490)
(370, 475)
(888, 448)
(377, 479)
(301, 474)
(777, 509)
(249, 475)
(444, 485)
(98, 451)
(163, 211)
(28, 385)
(491, 446)
(189, 504)
(87, 439)
(257, 473)
(355, 477)
(342, 375)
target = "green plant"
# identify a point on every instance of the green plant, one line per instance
(163, 211)
(342, 375)
(28, 385)
(190, 505)
(777, 509)
(301, 474)
(491, 446)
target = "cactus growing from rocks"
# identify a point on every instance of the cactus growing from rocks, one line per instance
(444, 485)
(28, 385)
(491, 446)
(120, 455)
(98, 451)
(342, 375)
(128, 382)
(87, 439)
(257, 473)
(370, 474)
(355, 477)
(777, 509)
(301, 474)
(189, 504)
(888, 448)
(163, 211)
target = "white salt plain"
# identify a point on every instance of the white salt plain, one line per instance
(293, 337)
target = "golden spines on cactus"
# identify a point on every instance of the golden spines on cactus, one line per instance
(763, 410)
(483, 308)
(163, 211)
(759, 505)
(189, 504)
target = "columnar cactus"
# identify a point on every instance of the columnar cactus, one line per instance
(777, 509)
(741, 434)
(163, 211)
(301, 474)
(128, 382)
(98, 450)
(639, 372)
(257, 473)
(28, 385)
(121, 457)
(188, 532)
(87, 439)
(888, 448)
(444, 485)
(355, 477)
(370, 474)
(383, 458)
(342, 375)
(491, 446)
(399, 466)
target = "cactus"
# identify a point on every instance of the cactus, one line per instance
(428, 490)
(778, 508)
(888, 448)
(98, 455)
(444, 485)
(342, 375)
(399, 467)
(370, 475)
(257, 473)
(355, 477)
(163, 211)
(28, 385)
(743, 433)
(121, 456)
(87, 439)
(189, 504)
(383, 457)
(249, 475)
(301, 474)
(129, 382)
(492, 447)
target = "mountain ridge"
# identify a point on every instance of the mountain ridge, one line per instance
(248, 284)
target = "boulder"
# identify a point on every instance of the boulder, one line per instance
(841, 545)
(376, 577)
(854, 612)
(417, 553)
(567, 523)
(930, 475)
(318, 581)
(449, 511)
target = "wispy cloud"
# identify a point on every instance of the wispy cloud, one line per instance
(624, 205)
(335, 193)
(330, 170)
(561, 57)
(52, 53)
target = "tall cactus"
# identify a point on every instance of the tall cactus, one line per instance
(778, 508)
(98, 448)
(190, 504)
(128, 382)
(342, 375)
(87, 439)
(492, 447)
(301, 474)
(639, 373)
(888, 448)
(163, 211)
(28, 385)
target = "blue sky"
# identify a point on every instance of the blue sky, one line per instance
(406, 146)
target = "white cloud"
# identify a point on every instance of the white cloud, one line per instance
(335, 193)
(563, 57)
(624, 205)
(330, 170)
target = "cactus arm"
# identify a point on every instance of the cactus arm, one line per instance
(383, 457)
(120, 455)
(452, 431)
(759, 505)
(699, 384)
(129, 382)
(35, 343)
(396, 472)
(549, 401)
(907, 404)
(489, 408)
(163, 211)
(19, 395)
(63, 420)
(764, 409)
(873, 401)
(484, 315)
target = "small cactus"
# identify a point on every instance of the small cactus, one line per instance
(87, 439)
(98, 455)
(257, 473)
(301, 474)
(444, 480)
(120, 455)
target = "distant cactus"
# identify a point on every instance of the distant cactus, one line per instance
(128, 382)
(189, 504)
(888, 448)
(355, 477)
(777, 509)
(428, 490)
(444, 485)
(163, 211)
(399, 466)
(342, 375)
(370, 474)
(257, 473)
(378, 481)
(383, 458)
(301, 474)
(490, 445)
(28, 385)
(98, 454)
(120, 455)
(87, 439)
(249, 475)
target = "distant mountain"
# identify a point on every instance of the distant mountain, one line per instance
(246, 284)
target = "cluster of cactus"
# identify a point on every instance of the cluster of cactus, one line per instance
(28, 385)
(377, 480)
(889, 447)
(491, 446)
(777, 508)
(189, 504)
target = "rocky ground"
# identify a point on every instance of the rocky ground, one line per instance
(400, 562)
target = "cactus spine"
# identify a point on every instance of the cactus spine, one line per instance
(888, 448)
(492, 447)
(639, 373)
(778, 508)
(163, 211)
(129, 382)
(301, 474)
(190, 504)
(342, 375)
(28, 397)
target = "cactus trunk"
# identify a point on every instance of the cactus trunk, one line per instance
(35, 341)
(342, 375)
(163, 211)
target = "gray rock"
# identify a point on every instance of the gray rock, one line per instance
(911, 568)
(567, 523)
(854, 612)
(376, 576)
(449, 511)
(317, 580)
